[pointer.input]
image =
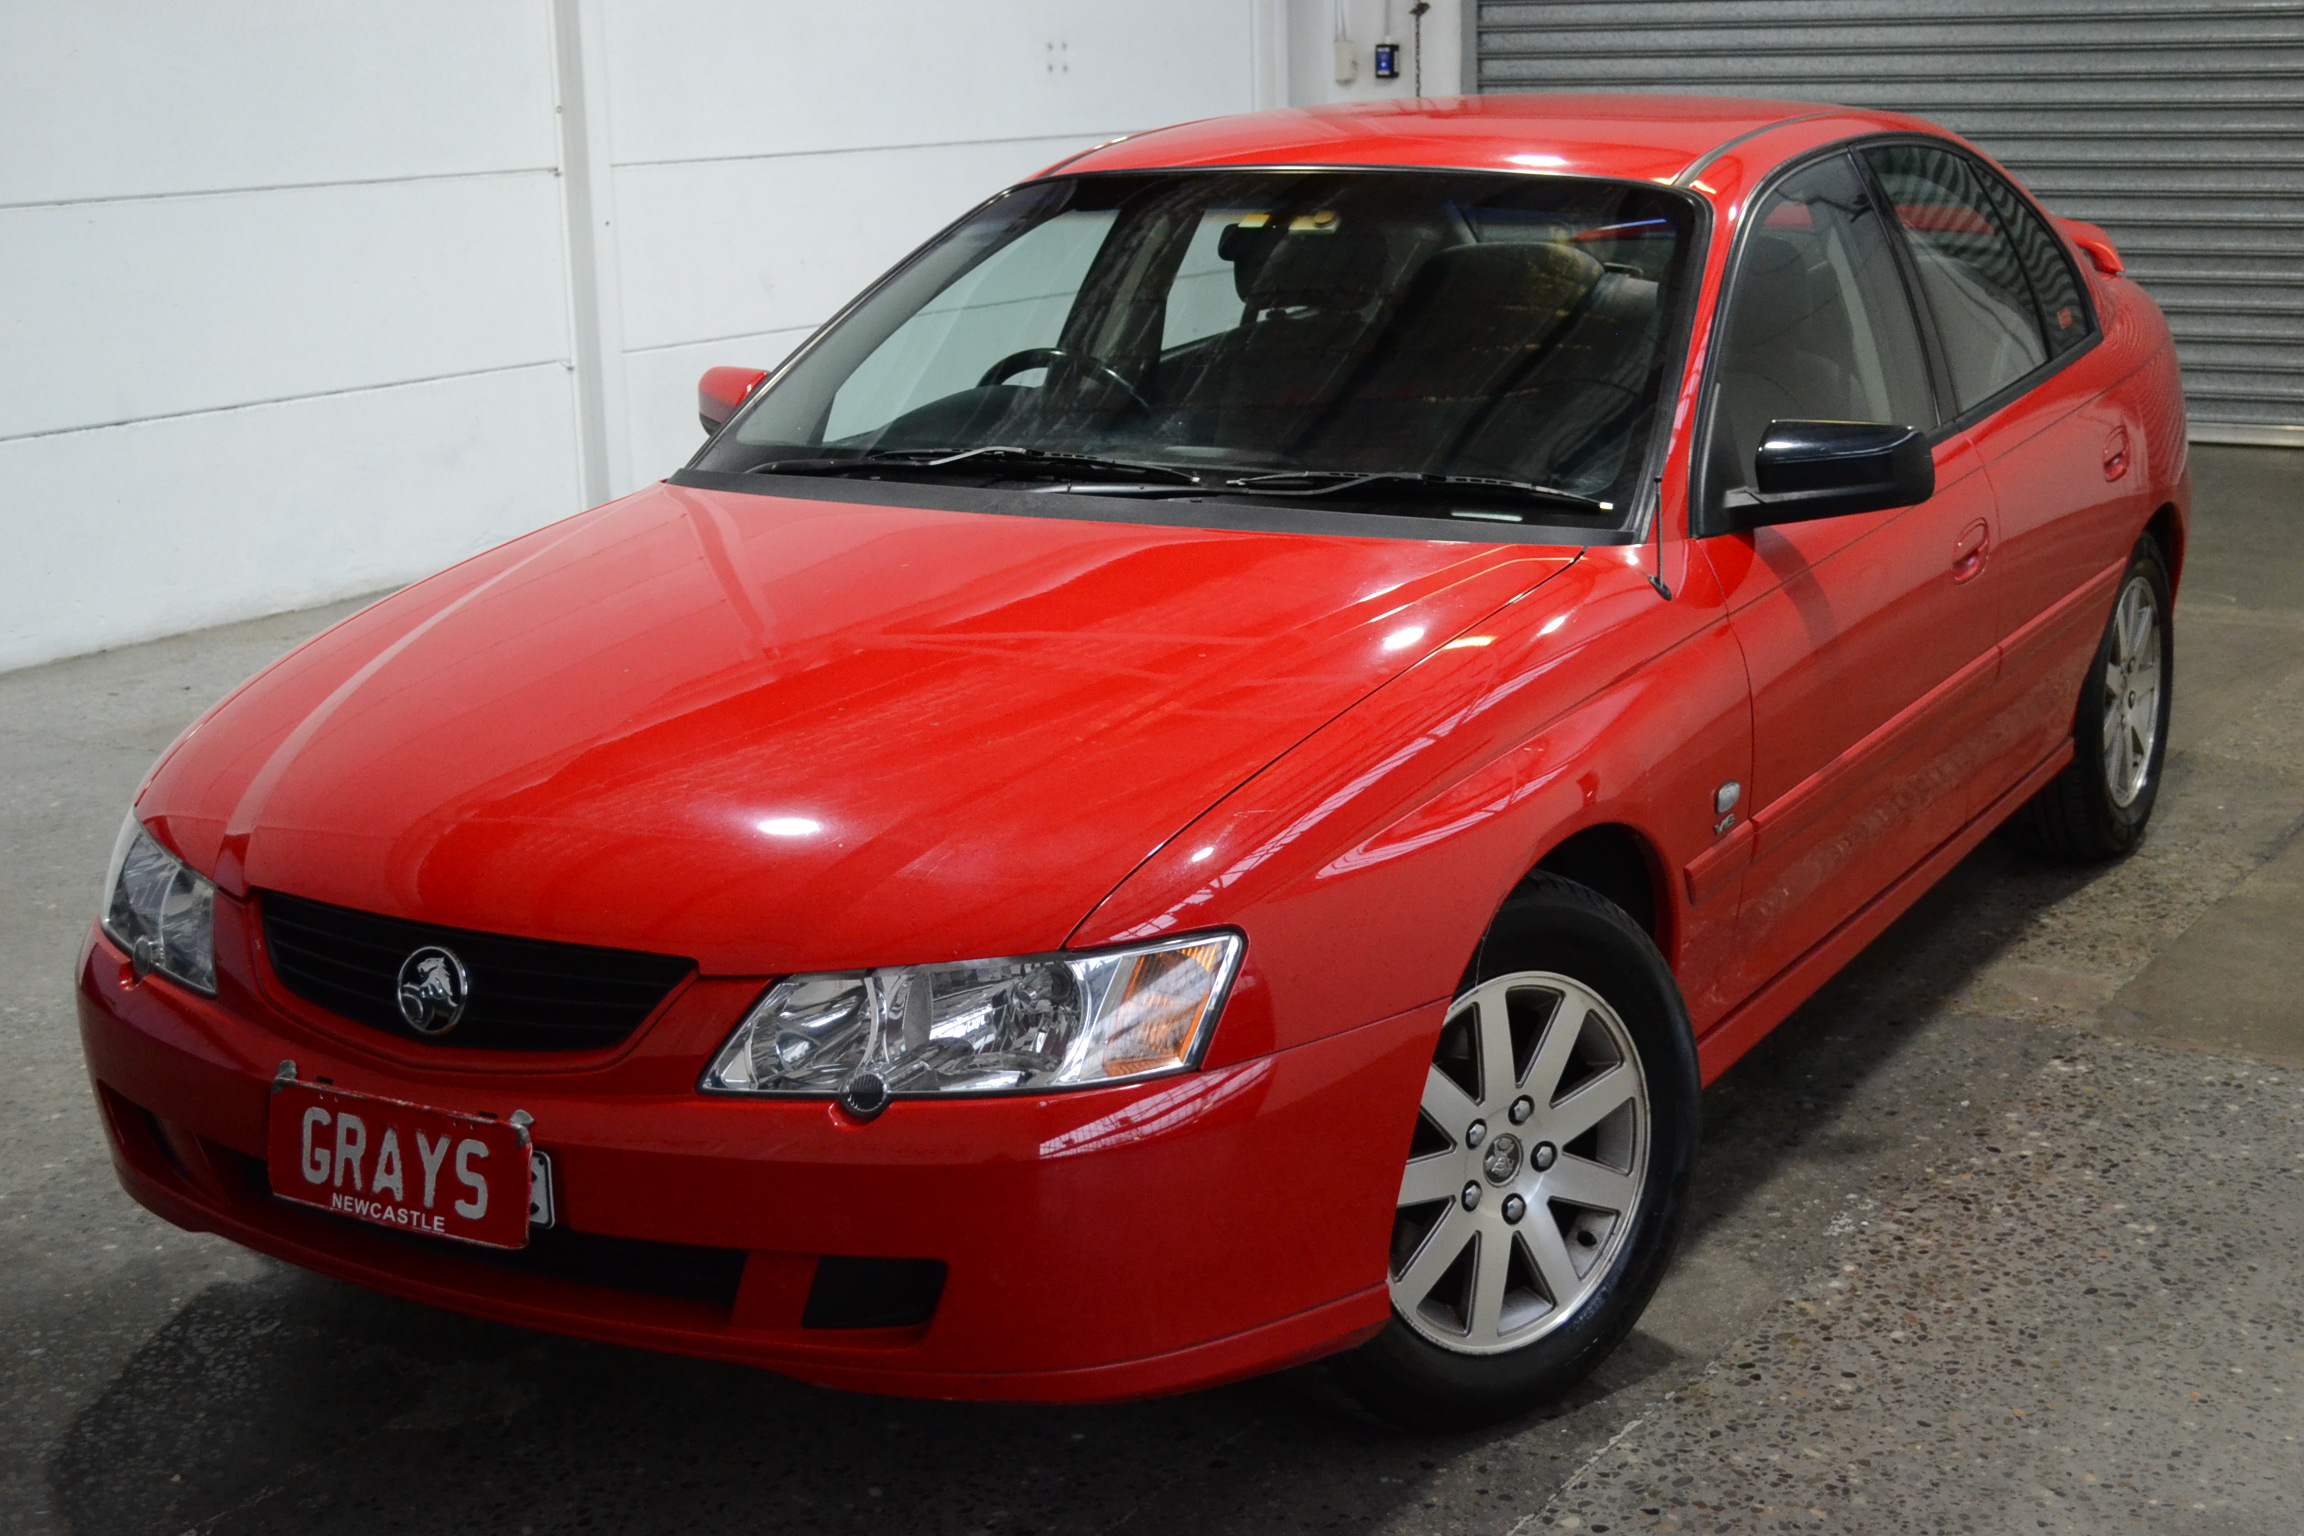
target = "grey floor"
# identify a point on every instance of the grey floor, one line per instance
(2000, 1233)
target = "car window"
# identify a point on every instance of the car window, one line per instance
(1819, 325)
(1017, 298)
(1229, 323)
(1203, 300)
(2055, 286)
(1969, 269)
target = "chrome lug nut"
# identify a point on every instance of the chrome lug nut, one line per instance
(1514, 1208)
(1471, 1197)
(1522, 1108)
(1544, 1156)
(1475, 1133)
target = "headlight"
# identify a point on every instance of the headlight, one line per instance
(981, 1026)
(160, 912)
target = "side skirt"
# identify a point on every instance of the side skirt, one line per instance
(1728, 1040)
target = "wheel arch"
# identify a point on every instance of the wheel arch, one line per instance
(1620, 862)
(2167, 527)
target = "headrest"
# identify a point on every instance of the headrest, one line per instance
(1248, 247)
(1339, 270)
(1485, 278)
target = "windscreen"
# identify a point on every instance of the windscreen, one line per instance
(1247, 323)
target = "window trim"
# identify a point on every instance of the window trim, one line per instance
(1932, 346)
(1704, 512)
(1705, 519)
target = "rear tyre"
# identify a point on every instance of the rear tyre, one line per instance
(2097, 808)
(1542, 1188)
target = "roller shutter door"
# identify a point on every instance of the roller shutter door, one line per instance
(2179, 128)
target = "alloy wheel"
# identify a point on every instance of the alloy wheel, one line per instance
(2132, 692)
(1525, 1171)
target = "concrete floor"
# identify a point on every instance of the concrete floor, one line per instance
(2000, 1233)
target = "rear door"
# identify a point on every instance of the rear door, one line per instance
(2063, 459)
(1869, 637)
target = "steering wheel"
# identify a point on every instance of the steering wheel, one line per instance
(1049, 357)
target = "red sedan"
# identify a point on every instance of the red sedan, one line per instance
(1195, 783)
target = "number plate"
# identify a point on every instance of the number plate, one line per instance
(405, 1166)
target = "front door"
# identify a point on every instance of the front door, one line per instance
(1869, 637)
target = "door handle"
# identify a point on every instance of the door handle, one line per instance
(1968, 550)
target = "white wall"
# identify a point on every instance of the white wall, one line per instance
(302, 299)
(749, 206)
(1312, 32)
(279, 305)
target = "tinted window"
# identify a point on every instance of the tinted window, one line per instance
(1204, 300)
(1819, 325)
(1233, 322)
(1014, 300)
(1969, 269)
(2054, 284)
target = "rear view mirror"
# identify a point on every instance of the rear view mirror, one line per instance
(721, 390)
(1812, 469)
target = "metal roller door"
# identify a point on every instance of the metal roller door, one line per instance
(2178, 127)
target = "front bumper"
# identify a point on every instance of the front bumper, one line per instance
(1099, 1244)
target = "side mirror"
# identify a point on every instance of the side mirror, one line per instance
(1813, 469)
(721, 390)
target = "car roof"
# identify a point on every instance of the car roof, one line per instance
(1650, 137)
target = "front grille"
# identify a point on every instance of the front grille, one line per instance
(526, 994)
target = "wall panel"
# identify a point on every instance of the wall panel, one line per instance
(170, 525)
(661, 385)
(101, 100)
(738, 248)
(117, 311)
(302, 297)
(695, 79)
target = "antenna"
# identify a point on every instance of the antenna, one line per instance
(1656, 577)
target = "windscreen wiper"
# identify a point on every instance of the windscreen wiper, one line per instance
(996, 458)
(1313, 483)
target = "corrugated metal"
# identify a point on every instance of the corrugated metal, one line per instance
(2178, 127)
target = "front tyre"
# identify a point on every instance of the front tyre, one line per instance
(2097, 808)
(1542, 1188)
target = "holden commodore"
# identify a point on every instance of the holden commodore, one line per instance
(1198, 781)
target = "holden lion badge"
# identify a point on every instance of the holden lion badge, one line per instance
(434, 987)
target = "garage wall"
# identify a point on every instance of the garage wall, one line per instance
(268, 334)
(2179, 127)
(1314, 29)
(748, 201)
(303, 300)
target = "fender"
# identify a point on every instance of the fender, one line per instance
(1547, 718)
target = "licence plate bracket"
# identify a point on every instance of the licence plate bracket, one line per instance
(407, 1167)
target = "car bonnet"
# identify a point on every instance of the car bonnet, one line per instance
(773, 732)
